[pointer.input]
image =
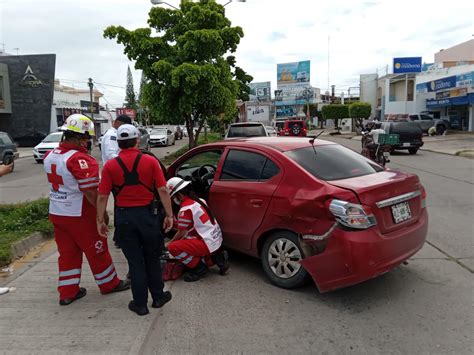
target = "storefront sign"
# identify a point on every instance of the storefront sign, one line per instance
(451, 93)
(407, 65)
(260, 91)
(452, 101)
(130, 112)
(30, 79)
(442, 84)
(86, 106)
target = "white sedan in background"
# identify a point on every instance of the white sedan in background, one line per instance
(271, 131)
(161, 137)
(50, 142)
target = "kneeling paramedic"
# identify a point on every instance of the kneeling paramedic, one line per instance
(138, 185)
(197, 242)
(73, 177)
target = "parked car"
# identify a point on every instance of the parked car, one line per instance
(8, 151)
(144, 142)
(410, 135)
(427, 121)
(293, 128)
(184, 130)
(161, 136)
(279, 126)
(271, 131)
(50, 142)
(246, 129)
(304, 209)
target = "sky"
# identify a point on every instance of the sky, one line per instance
(363, 36)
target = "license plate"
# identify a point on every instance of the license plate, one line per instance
(401, 212)
(406, 144)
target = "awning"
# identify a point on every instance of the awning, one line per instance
(453, 101)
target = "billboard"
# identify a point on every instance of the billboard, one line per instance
(291, 73)
(258, 113)
(260, 91)
(407, 65)
(86, 106)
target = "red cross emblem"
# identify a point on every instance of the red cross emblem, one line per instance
(204, 217)
(54, 178)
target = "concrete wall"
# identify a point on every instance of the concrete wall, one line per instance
(399, 107)
(31, 94)
(459, 53)
(368, 90)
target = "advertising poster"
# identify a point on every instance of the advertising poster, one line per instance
(260, 91)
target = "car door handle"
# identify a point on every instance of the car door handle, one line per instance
(255, 202)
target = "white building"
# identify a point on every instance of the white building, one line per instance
(445, 88)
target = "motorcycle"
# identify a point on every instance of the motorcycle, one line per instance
(379, 153)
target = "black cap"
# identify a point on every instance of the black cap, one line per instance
(124, 119)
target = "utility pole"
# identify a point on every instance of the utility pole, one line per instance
(91, 87)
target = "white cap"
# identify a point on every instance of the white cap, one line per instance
(127, 131)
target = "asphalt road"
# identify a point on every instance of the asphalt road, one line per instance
(425, 307)
(28, 181)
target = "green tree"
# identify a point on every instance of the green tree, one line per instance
(189, 77)
(335, 112)
(130, 100)
(141, 103)
(360, 111)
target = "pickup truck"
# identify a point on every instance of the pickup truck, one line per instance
(426, 122)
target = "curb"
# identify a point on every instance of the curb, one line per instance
(465, 154)
(24, 246)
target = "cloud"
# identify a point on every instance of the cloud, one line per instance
(275, 36)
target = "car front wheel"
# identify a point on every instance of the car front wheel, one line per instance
(412, 150)
(281, 256)
(440, 129)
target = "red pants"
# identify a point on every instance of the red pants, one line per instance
(190, 251)
(74, 236)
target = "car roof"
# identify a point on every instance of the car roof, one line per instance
(281, 144)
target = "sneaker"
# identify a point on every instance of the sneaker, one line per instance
(122, 286)
(141, 311)
(67, 301)
(165, 298)
(222, 262)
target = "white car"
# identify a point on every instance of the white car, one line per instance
(161, 136)
(50, 142)
(271, 131)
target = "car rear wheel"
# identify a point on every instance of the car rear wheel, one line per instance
(440, 129)
(281, 256)
(412, 150)
(39, 161)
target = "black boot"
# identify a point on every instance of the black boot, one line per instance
(140, 310)
(122, 286)
(160, 302)
(65, 302)
(221, 259)
(197, 273)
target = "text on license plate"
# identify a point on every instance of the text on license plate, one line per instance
(401, 212)
(406, 144)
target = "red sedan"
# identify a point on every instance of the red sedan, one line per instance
(309, 208)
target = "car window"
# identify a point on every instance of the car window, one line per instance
(295, 124)
(426, 117)
(243, 165)
(333, 162)
(53, 138)
(211, 157)
(414, 117)
(270, 170)
(158, 131)
(246, 131)
(403, 127)
(5, 139)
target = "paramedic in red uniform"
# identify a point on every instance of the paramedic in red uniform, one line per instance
(197, 242)
(73, 177)
(139, 186)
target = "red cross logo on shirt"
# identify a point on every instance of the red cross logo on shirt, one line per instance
(54, 178)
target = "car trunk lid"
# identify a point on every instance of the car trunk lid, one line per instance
(385, 193)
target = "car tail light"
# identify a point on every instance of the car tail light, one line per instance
(351, 215)
(423, 198)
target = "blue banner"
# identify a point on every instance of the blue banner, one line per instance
(442, 84)
(407, 65)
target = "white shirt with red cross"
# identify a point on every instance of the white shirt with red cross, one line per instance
(70, 172)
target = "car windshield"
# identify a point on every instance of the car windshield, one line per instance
(246, 131)
(159, 132)
(295, 124)
(53, 138)
(333, 162)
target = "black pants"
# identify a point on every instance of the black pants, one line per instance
(139, 235)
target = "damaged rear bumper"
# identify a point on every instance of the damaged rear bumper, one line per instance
(351, 257)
